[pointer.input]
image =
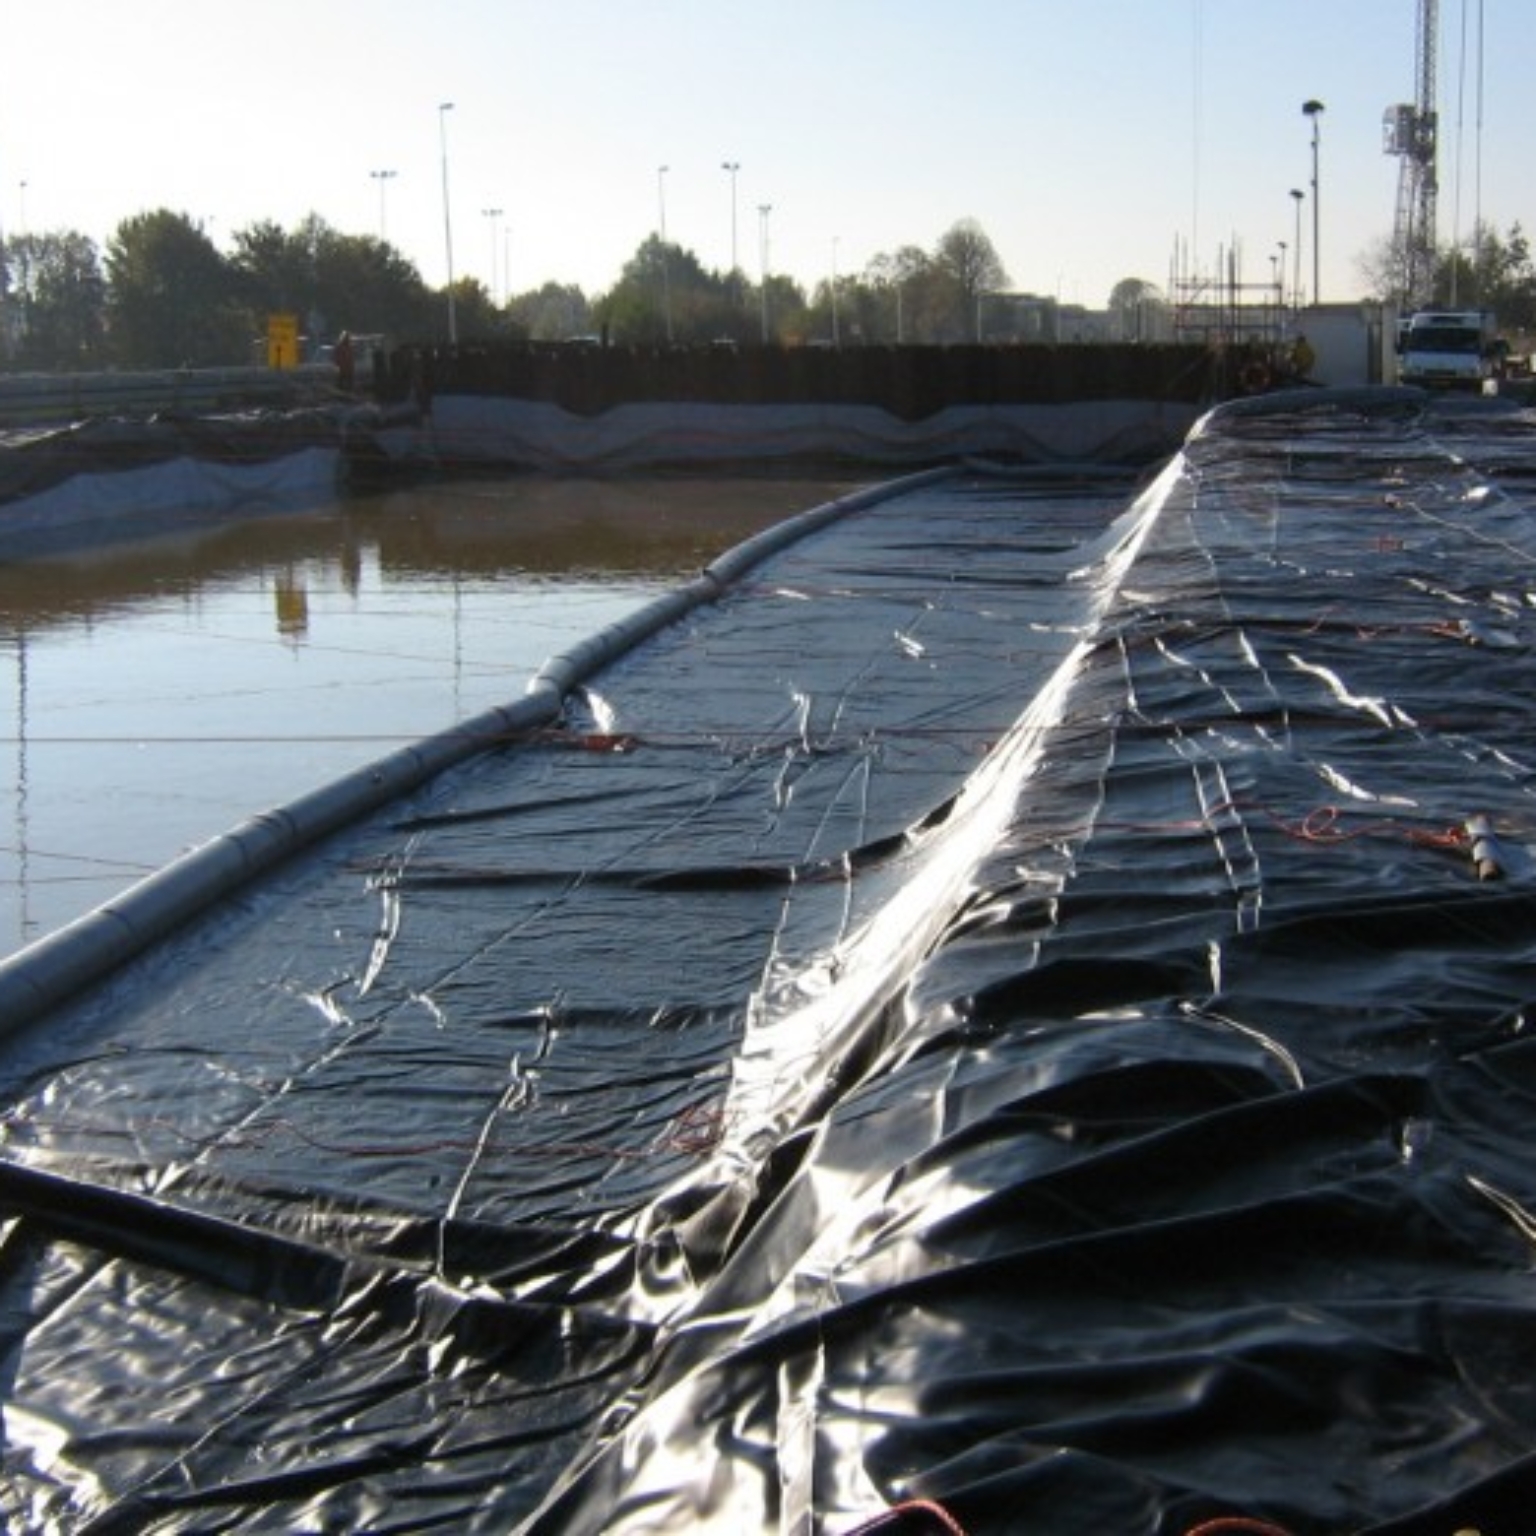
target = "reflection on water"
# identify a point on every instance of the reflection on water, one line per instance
(154, 693)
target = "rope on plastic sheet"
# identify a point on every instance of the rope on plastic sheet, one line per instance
(930, 1515)
(1323, 824)
(1475, 836)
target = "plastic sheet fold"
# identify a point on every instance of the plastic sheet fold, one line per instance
(36, 459)
(117, 478)
(1003, 1008)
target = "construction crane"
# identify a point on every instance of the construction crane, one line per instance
(1411, 132)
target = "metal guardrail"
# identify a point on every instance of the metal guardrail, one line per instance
(44, 399)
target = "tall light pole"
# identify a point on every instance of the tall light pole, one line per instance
(763, 210)
(730, 167)
(836, 334)
(443, 110)
(1314, 110)
(383, 178)
(1298, 195)
(666, 277)
(492, 214)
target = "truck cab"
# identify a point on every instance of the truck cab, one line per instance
(1449, 349)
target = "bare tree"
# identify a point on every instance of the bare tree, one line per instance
(970, 262)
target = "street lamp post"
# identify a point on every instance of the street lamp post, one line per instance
(383, 178)
(1298, 195)
(492, 214)
(730, 167)
(763, 210)
(1314, 110)
(443, 110)
(836, 332)
(666, 276)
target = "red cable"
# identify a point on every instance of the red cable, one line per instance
(1322, 824)
(925, 1507)
(1245, 1523)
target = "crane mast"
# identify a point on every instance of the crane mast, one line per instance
(1411, 133)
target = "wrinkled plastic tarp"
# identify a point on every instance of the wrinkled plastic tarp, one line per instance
(33, 460)
(115, 475)
(1002, 1009)
(469, 429)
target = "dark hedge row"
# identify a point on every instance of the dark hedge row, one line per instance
(909, 382)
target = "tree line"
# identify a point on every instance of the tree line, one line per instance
(1489, 271)
(163, 295)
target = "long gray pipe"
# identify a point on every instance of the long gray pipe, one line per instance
(54, 968)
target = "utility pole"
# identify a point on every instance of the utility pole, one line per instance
(763, 210)
(444, 108)
(1314, 110)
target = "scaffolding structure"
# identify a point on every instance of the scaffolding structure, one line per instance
(1411, 132)
(1223, 309)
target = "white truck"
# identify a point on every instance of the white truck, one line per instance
(1449, 349)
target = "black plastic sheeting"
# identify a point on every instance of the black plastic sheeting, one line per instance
(38, 459)
(1002, 1013)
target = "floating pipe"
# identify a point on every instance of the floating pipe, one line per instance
(62, 963)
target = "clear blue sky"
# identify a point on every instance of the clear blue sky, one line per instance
(1086, 136)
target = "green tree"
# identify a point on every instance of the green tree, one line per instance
(664, 293)
(865, 312)
(475, 311)
(1138, 309)
(1488, 272)
(633, 310)
(381, 292)
(1495, 274)
(914, 293)
(276, 270)
(58, 301)
(827, 314)
(555, 312)
(789, 319)
(334, 282)
(705, 306)
(174, 301)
